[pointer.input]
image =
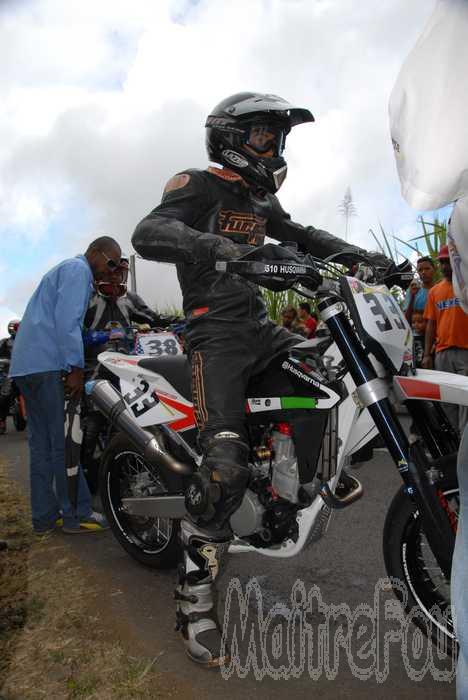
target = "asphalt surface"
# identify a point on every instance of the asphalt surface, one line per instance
(302, 649)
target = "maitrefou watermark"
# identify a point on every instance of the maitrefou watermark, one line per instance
(288, 641)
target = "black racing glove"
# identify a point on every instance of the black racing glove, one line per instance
(400, 275)
(227, 250)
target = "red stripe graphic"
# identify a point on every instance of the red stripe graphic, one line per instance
(180, 423)
(417, 389)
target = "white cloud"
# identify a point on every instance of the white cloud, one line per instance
(100, 111)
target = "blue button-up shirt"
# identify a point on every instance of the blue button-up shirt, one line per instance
(50, 334)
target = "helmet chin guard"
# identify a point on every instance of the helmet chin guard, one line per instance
(274, 169)
(114, 285)
(109, 290)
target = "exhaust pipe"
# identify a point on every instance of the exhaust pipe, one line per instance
(110, 403)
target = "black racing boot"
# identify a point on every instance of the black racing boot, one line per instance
(196, 595)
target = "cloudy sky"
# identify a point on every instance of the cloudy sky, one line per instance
(102, 101)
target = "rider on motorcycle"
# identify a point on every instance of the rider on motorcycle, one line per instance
(205, 216)
(7, 388)
(112, 308)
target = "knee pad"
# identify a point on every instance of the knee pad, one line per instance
(216, 490)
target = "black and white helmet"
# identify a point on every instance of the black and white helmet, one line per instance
(13, 327)
(247, 133)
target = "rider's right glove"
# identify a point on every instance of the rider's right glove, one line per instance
(227, 250)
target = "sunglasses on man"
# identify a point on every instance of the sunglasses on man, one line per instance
(113, 266)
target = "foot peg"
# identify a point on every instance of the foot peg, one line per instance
(348, 490)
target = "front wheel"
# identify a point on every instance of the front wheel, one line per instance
(124, 473)
(411, 563)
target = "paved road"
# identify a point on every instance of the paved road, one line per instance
(287, 653)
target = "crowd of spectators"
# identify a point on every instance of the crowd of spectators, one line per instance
(440, 326)
(299, 320)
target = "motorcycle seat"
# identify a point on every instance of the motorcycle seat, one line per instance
(175, 369)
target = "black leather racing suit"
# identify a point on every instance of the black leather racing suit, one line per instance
(127, 310)
(202, 216)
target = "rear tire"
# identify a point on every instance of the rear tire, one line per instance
(409, 559)
(124, 472)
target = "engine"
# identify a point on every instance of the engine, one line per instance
(267, 514)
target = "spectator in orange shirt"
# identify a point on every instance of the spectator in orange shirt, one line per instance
(447, 325)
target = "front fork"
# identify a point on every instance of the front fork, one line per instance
(410, 461)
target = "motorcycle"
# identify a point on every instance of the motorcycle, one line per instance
(9, 393)
(307, 414)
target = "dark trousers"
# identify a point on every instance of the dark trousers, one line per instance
(224, 356)
(45, 406)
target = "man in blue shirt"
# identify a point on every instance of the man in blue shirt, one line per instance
(47, 364)
(416, 296)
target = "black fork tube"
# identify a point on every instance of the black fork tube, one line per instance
(410, 462)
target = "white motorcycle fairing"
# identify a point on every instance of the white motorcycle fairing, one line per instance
(151, 399)
(432, 385)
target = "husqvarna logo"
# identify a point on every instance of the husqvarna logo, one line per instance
(235, 159)
(301, 375)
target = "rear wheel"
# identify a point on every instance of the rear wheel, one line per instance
(125, 473)
(410, 561)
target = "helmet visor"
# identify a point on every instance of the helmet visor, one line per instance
(265, 138)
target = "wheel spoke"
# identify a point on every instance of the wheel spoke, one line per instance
(136, 480)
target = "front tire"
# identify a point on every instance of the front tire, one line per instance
(409, 559)
(124, 473)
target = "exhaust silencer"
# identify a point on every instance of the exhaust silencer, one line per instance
(110, 403)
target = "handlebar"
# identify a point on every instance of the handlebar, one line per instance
(281, 267)
(274, 274)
